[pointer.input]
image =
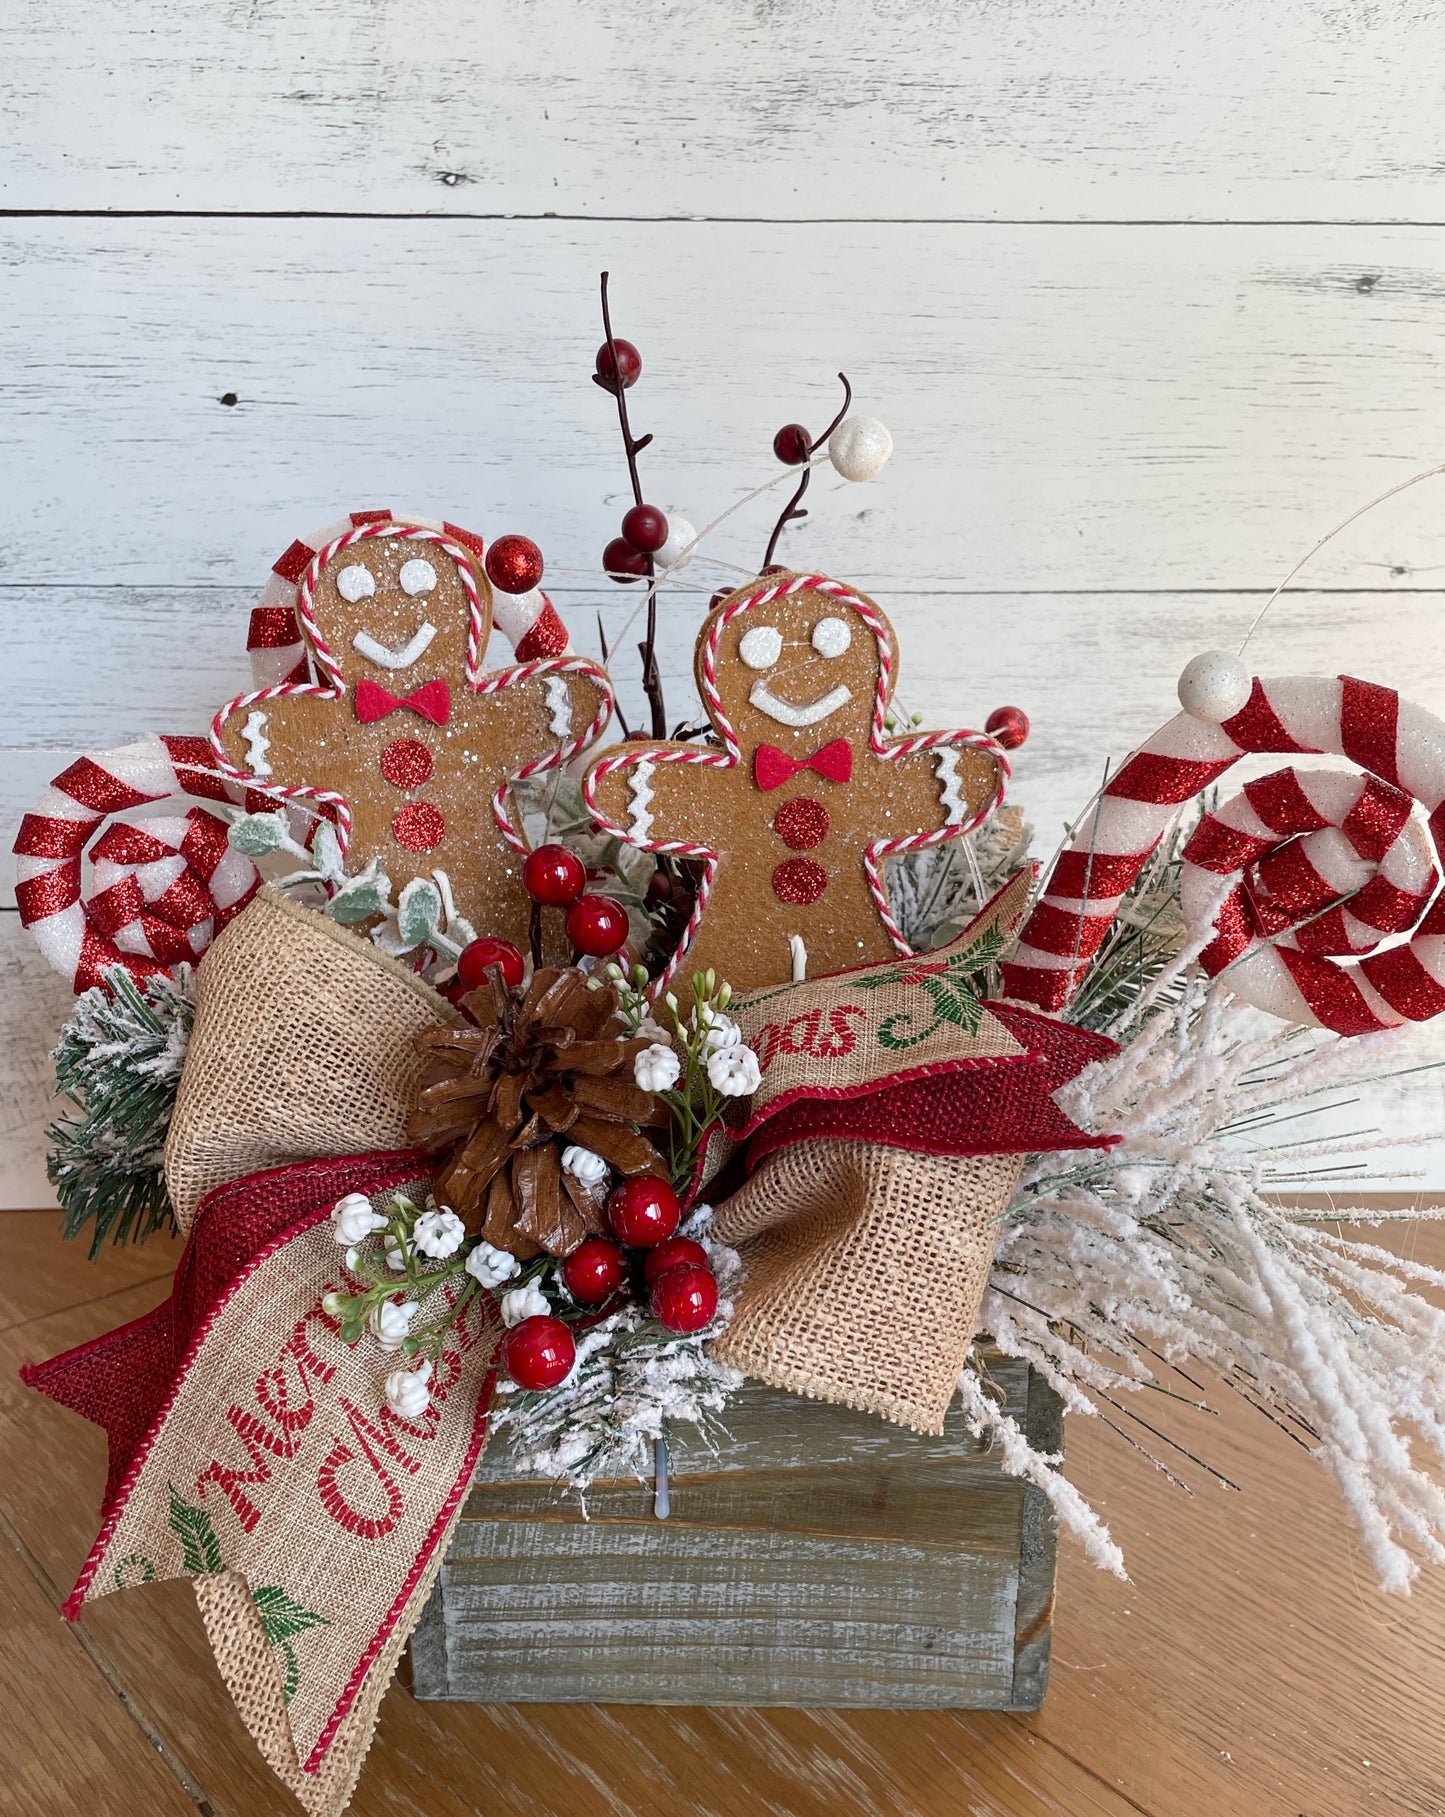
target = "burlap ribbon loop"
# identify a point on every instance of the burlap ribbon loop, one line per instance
(881, 1151)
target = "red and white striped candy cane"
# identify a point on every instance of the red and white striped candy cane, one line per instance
(161, 888)
(1326, 864)
(288, 649)
(763, 594)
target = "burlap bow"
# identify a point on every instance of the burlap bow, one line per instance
(249, 1448)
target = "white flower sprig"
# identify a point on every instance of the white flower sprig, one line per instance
(425, 1264)
(694, 1063)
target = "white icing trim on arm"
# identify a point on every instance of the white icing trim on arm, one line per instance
(403, 656)
(559, 705)
(787, 714)
(257, 743)
(946, 763)
(639, 799)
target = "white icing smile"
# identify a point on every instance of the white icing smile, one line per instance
(403, 656)
(786, 714)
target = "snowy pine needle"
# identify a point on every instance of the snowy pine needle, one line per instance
(1165, 1250)
(119, 1061)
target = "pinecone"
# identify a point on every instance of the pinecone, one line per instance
(548, 1064)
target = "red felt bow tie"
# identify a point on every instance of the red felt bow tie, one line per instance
(433, 700)
(772, 767)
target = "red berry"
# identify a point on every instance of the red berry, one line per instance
(514, 564)
(596, 925)
(673, 1254)
(1009, 725)
(645, 528)
(553, 876)
(539, 1352)
(623, 563)
(643, 1212)
(792, 444)
(477, 955)
(629, 364)
(684, 1298)
(594, 1271)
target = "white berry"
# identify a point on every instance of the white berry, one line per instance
(859, 447)
(1214, 687)
(677, 551)
(355, 582)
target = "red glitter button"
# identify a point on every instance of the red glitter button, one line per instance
(799, 881)
(420, 827)
(406, 764)
(801, 824)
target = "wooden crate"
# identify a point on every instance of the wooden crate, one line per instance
(823, 1558)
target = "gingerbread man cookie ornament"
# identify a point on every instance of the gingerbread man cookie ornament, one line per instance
(796, 813)
(396, 730)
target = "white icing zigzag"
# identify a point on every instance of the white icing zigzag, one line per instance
(559, 705)
(639, 800)
(257, 743)
(946, 763)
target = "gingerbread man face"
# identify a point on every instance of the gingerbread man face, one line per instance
(402, 736)
(795, 816)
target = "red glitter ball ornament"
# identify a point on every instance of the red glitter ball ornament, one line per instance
(419, 827)
(684, 1298)
(596, 925)
(553, 876)
(645, 528)
(623, 563)
(801, 824)
(799, 881)
(539, 1352)
(406, 764)
(478, 955)
(643, 1212)
(514, 564)
(1009, 725)
(672, 1254)
(594, 1271)
(628, 363)
(792, 444)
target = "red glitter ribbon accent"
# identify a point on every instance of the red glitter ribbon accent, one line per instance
(1369, 719)
(43, 836)
(273, 628)
(545, 636)
(94, 788)
(38, 897)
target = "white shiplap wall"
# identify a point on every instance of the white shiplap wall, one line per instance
(1149, 296)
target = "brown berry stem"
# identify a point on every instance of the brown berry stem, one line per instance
(790, 511)
(651, 676)
(534, 932)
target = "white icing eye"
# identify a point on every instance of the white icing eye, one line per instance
(417, 577)
(355, 583)
(761, 647)
(831, 637)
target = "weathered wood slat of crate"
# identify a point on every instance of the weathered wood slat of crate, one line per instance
(822, 1557)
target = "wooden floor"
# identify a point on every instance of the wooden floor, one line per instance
(1249, 1668)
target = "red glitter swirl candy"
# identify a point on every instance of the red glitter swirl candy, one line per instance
(160, 890)
(1299, 879)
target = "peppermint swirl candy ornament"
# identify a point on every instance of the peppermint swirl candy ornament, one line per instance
(1294, 885)
(160, 890)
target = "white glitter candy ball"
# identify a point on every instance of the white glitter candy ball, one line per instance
(859, 447)
(1214, 686)
(676, 552)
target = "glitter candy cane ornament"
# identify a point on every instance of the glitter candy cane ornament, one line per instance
(1312, 892)
(161, 889)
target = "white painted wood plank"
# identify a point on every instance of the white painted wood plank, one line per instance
(979, 109)
(1073, 407)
